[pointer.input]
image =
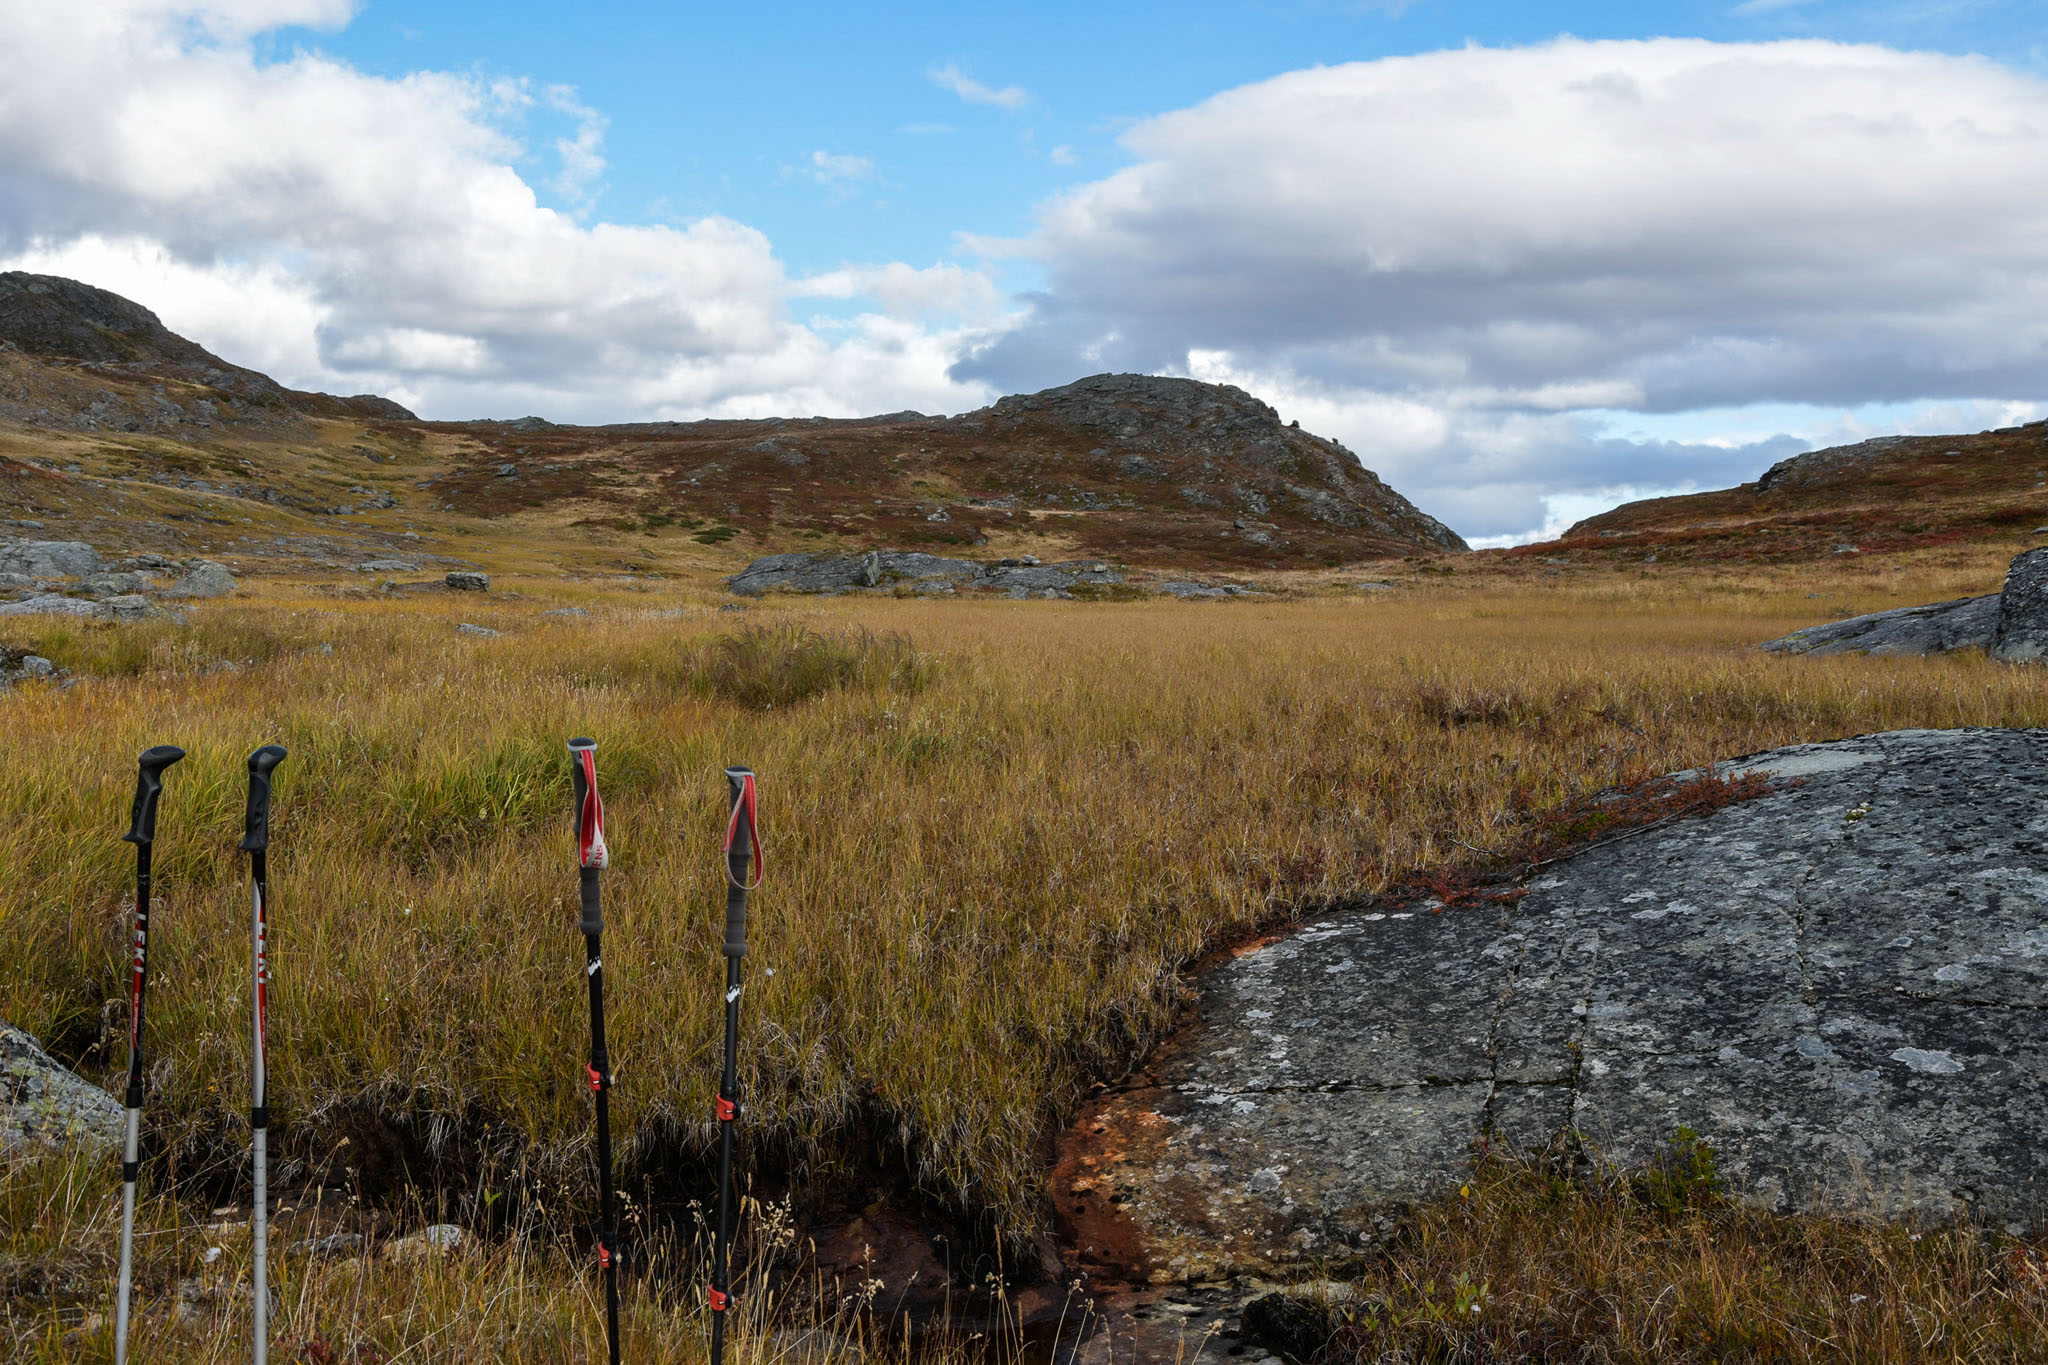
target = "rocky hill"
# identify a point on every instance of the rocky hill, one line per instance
(75, 356)
(1127, 467)
(103, 409)
(1891, 493)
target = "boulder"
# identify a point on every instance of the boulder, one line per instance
(463, 580)
(1836, 984)
(1938, 628)
(204, 579)
(49, 558)
(2022, 634)
(114, 584)
(133, 607)
(41, 1101)
(437, 1240)
(53, 604)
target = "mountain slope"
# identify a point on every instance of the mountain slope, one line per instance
(107, 415)
(1891, 493)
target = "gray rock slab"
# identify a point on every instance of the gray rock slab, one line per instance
(49, 558)
(42, 1102)
(1937, 628)
(1840, 984)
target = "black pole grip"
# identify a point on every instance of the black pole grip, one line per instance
(739, 864)
(149, 785)
(256, 826)
(593, 914)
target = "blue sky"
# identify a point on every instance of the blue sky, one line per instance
(719, 108)
(1524, 259)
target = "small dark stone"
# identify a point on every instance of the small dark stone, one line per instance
(1292, 1328)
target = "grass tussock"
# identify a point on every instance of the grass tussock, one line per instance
(1659, 1265)
(782, 663)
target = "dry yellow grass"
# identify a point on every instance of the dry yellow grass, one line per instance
(980, 889)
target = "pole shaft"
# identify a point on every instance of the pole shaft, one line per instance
(740, 859)
(259, 1114)
(131, 1146)
(601, 1084)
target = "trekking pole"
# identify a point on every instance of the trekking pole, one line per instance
(256, 843)
(742, 856)
(149, 785)
(591, 858)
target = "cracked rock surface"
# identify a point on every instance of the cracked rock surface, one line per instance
(1839, 984)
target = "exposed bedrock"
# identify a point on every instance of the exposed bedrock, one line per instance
(2011, 624)
(1839, 984)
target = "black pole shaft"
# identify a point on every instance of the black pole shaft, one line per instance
(601, 1084)
(149, 786)
(740, 862)
(139, 985)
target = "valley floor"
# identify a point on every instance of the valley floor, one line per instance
(997, 834)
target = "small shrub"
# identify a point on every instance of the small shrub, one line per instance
(782, 664)
(1682, 1174)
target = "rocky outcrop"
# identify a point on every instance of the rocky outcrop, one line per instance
(57, 319)
(2011, 624)
(43, 1102)
(894, 570)
(2022, 634)
(1939, 628)
(1816, 468)
(1837, 984)
(48, 558)
(1161, 430)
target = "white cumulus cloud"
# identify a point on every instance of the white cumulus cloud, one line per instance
(1507, 237)
(354, 232)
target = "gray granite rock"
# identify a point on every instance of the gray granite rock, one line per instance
(205, 579)
(473, 629)
(1839, 984)
(114, 585)
(53, 604)
(464, 580)
(2022, 635)
(43, 1102)
(887, 570)
(49, 558)
(387, 566)
(1939, 628)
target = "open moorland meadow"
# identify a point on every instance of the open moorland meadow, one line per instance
(997, 835)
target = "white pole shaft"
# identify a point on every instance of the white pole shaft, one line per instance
(127, 1238)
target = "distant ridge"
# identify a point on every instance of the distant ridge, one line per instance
(1887, 493)
(1137, 469)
